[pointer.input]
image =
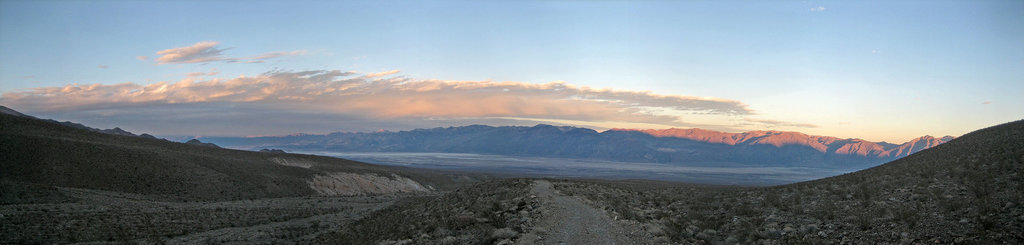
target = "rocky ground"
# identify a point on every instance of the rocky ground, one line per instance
(570, 220)
(114, 217)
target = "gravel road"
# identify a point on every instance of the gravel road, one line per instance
(569, 220)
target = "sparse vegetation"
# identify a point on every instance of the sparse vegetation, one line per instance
(481, 214)
(101, 216)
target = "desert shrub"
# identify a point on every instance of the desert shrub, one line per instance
(476, 214)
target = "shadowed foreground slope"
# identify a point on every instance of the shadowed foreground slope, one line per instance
(39, 155)
(62, 184)
(970, 190)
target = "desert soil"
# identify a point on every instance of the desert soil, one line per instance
(570, 220)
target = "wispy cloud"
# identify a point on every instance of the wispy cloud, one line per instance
(818, 9)
(102, 66)
(208, 51)
(201, 74)
(196, 53)
(775, 123)
(381, 74)
(272, 55)
(398, 98)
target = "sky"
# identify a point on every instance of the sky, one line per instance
(876, 70)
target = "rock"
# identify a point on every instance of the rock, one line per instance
(809, 228)
(707, 234)
(772, 232)
(788, 229)
(504, 233)
(964, 221)
(692, 230)
(654, 229)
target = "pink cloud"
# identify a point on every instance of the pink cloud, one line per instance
(369, 96)
(384, 73)
(207, 51)
(196, 53)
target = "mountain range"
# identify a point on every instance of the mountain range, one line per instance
(824, 144)
(672, 146)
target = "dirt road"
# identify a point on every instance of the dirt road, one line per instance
(568, 220)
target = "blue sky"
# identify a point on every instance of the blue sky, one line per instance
(885, 70)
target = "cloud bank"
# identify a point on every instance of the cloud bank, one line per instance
(375, 96)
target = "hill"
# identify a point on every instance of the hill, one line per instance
(693, 147)
(47, 154)
(969, 190)
(68, 183)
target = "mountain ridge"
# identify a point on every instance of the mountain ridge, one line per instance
(849, 146)
(675, 146)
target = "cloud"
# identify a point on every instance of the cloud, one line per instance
(372, 97)
(986, 103)
(381, 74)
(102, 66)
(202, 74)
(818, 9)
(207, 51)
(197, 53)
(142, 58)
(774, 123)
(276, 55)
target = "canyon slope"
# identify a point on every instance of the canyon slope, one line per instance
(693, 147)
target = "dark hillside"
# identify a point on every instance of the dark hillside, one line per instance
(970, 190)
(39, 155)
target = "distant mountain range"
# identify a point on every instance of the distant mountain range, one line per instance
(675, 146)
(824, 144)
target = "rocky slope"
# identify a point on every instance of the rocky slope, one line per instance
(967, 191)
(39, 155)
